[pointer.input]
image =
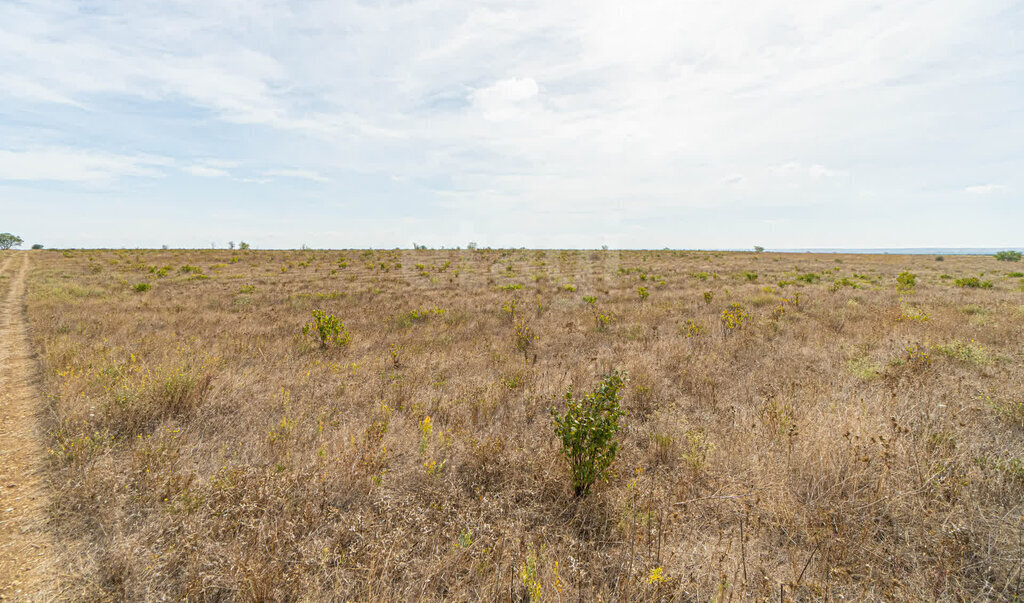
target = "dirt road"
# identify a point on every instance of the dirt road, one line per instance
(26, 550)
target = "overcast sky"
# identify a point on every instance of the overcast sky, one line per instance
(558, 123)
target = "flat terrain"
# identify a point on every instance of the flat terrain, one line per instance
(799, 425)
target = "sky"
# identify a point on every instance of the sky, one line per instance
(647, 124)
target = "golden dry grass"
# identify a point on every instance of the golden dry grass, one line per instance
(846, 439)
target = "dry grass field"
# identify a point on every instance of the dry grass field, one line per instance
(797, 426)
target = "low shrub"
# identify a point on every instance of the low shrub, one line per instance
(587, 430)
(973, 282)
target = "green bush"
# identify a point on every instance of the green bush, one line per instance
(327, 329)
(906, 280)
(1008, 256)
(587, 430)
(142, 287)
(972, 282)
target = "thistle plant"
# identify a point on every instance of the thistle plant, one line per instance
(587, 430)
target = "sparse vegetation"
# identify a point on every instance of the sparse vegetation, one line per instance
(838, 438)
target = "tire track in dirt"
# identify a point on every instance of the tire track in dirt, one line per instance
(27, 571)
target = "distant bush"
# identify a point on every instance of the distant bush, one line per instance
(940, 258)
(37, 246)
(809, 278)
(972, 282)
(142, 287)
(187, 268)
(1008, 256)
(587, 430)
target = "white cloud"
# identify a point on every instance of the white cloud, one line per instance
(206, 171)
(212, 168)
(74, 165)
(300, 174)
(505, 99)
(984, 189)
(795, 169)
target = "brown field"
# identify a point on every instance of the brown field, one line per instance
(847, 439)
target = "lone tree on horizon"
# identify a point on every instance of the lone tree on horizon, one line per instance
(7, 240)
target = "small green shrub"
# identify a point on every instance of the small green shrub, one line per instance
(733, 317)
(1008, 256)
(970, 352)
(690, 329)
(642, 292)
(142, 287)
(327, 329)
(587, 430)
(973, 282)
(906, 280)
(524, 338)
(940, 258)
(193, 269)
(1015, 274)
(810, 278)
